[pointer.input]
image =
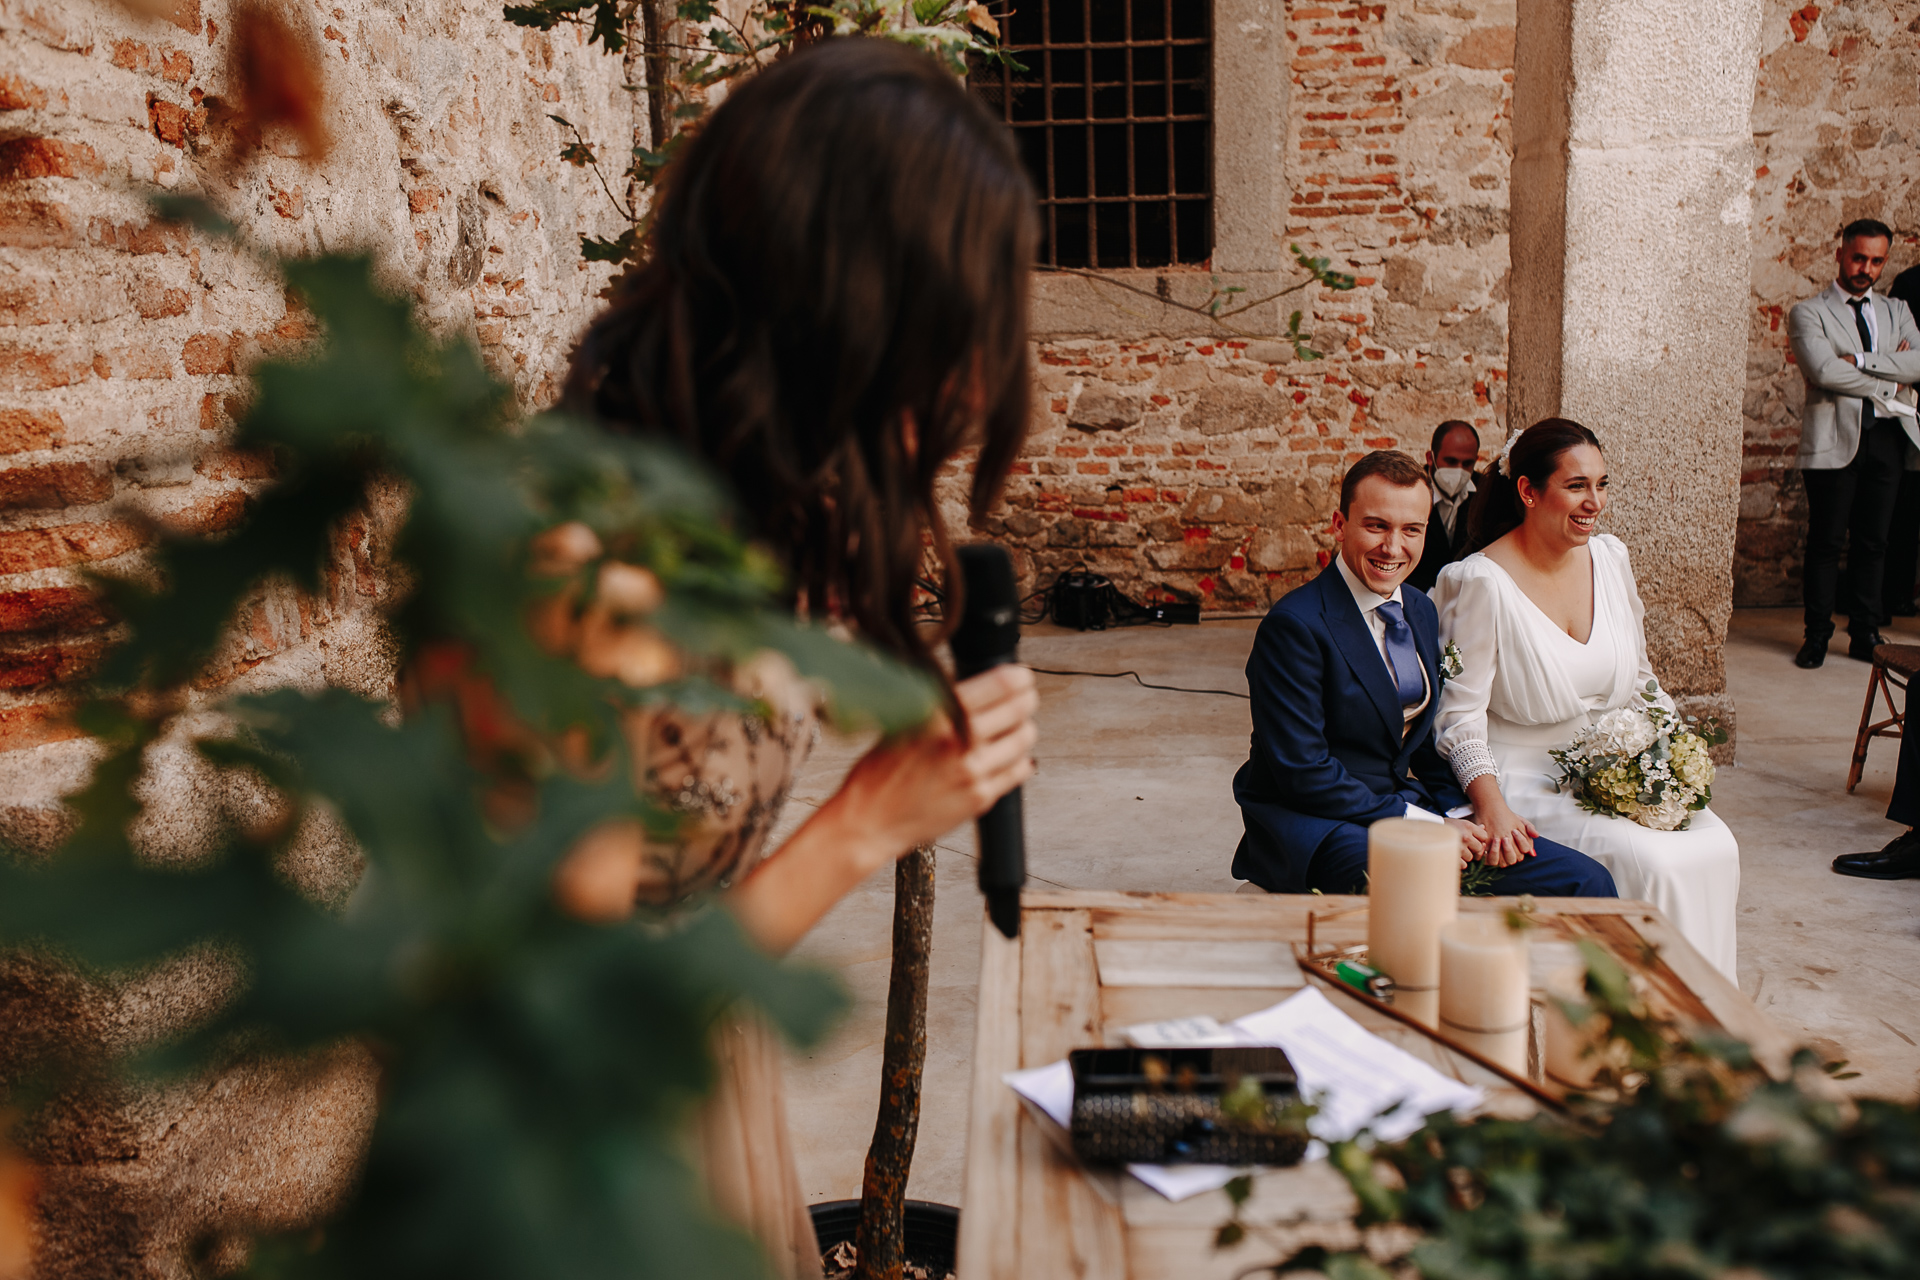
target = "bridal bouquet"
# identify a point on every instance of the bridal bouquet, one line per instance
(1641, 763)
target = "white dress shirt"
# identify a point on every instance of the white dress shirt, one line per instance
(1450, 508)
(1845, 299)
(1369, 602)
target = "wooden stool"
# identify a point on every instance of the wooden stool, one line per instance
(1894, 666)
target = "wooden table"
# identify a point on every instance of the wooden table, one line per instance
(1087, 964)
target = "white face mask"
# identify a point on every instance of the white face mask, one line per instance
(1452, 481)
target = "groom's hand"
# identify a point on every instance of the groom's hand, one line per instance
(1510, 837)
(1473, 839)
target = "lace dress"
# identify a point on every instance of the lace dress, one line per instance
(1526, 687)
(728, 775)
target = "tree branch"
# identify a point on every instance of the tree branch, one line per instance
(881, 1240)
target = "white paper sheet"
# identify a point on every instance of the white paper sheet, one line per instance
(1354, 1075)
(1199, 1032)
(1050, 1088)
(1179, 1182)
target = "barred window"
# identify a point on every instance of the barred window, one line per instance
(1113, 114)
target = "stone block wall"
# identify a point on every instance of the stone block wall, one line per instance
(123, 348)
(1207, 460)
(1836, 125)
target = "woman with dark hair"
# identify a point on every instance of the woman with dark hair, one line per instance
(1547, 623)
(834, 306)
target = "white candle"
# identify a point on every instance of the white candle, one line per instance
(1484, 1001)
(1413, 888)
(1569, 1053)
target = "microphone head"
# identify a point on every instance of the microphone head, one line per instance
(1003, 908)
(989, 630)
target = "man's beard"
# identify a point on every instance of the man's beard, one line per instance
(1859, 284)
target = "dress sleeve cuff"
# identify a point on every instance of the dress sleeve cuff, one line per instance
(1471, 759)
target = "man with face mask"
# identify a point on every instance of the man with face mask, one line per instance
(1450, 460)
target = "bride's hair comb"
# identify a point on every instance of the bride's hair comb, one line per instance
(1503, 463)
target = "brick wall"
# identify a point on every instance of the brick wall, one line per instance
(123, 342)
(123, 349)
(1836, 122)
(1210, 464)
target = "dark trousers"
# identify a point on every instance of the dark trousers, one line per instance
(1849, 509)
(1340, 866)
(1905, 807)
(1903, 547)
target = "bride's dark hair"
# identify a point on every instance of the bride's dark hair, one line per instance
(842, 248)
(1496, 509)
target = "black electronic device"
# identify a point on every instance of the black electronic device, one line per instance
(1169, 1106)
(1088, 601)
(987, 637)
(1083, 599)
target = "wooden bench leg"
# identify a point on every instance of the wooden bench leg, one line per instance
(1875, 681)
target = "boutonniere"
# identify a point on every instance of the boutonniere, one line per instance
(1450, 664)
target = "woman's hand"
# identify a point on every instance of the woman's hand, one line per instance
(1510, 837)
(907, 791)
(917, 787)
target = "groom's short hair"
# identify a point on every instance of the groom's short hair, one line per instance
(1391, 465)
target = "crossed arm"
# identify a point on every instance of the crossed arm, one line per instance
(1870, 374)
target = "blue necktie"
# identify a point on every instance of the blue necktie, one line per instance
(1401, 657)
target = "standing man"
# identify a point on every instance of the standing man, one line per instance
(1451, 458)
(1903, 535)
(1855, 349)
(1345, 680)
(1900, 858)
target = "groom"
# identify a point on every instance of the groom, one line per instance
(1345, 680)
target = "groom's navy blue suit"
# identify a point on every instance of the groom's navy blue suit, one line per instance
(1334, 753)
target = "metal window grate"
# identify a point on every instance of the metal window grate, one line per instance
(1114, 119)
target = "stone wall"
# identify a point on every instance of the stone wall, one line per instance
(1207, 460)
(1632, 184)
(1836, 123)
(123, 345)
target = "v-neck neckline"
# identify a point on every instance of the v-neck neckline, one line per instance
(1593, 585)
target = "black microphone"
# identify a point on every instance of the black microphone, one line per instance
(989, 635)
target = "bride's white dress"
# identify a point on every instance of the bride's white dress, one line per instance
(1526, 687)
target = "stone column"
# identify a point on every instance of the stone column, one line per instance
(1632, 175)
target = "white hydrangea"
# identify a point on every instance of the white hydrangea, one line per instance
(1625, 732)
(1669, 814)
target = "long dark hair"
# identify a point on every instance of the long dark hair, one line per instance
(1496, 509)
(843, 246)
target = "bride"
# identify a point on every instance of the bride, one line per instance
(1547, 624)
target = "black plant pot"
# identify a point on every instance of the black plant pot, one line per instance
(932, 1230)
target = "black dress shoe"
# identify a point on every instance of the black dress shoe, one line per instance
(1900, 860)
(1862, 647)
(1811, 655)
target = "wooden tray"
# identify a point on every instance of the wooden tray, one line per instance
(1659, 986)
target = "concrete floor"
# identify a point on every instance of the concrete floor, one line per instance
(1134, 792)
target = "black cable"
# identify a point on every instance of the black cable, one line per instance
(1115, 675)
(934, 610)
(1028, 617)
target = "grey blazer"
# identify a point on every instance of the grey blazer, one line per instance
(1823, 334)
